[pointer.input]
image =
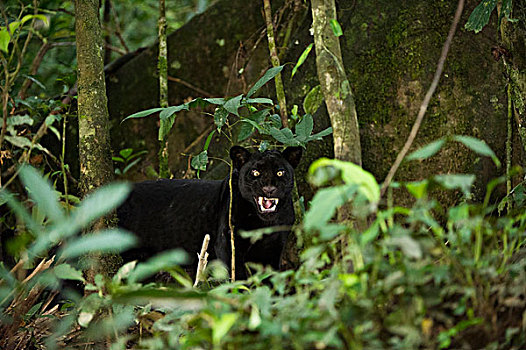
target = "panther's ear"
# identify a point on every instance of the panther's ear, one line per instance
(239, 156)
(293, 155)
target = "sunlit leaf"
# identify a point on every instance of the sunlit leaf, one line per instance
(302, 59)
(222, 325)
(324, 204)
(336, 28)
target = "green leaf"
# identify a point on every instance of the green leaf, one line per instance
(304, 127)
(20, 211)
(143, 114)
(200, 161)
(417, 188)
(222, 326)
(67, 272)
(261, 100)
(110, 240)
(284, 136)
(456, 181)
(20, 120)
(427, 151)
(313, 100)
(220, 117)
(352, 174)
(43, 18)
(269, 74)
(336, 28)
(165, 126)
(4, 40)
(478, 146)
(302, 59)
(208, 140)
(480, 15)
(126, 152)
(408, 245)
(233, 105)
(321, 134)
(245, 131)
(324, 204)
(42, 193)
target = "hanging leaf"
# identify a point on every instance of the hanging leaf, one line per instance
(165, 126)
(313, 100)
(220, 117)
(302, 59)
(269, 74)
(336, 28)
(480, 15)
(427, 151)
(324, 204)
(208, 140)
(478, 146)
(245, 131)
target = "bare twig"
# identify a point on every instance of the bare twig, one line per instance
(427, 98)
(190, 86)
(203, 259)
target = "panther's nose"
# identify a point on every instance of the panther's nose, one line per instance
(269, 191)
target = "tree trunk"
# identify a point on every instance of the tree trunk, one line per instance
(96, 168)
(334, 84)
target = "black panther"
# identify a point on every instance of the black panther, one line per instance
(167, 214)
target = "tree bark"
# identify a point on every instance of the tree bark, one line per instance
(96, 167)
(162, 65)
(334, 84)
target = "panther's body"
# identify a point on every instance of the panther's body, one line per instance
(167, 214)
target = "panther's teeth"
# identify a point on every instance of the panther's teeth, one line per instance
(267, 205)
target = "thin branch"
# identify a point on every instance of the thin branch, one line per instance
(190, 86)
(231, 227)
(425, 103)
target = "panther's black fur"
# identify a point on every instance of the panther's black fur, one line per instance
(167, 214)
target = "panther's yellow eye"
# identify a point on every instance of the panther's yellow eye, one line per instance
(255, 173)
(280, 173)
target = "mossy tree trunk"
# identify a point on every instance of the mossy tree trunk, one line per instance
(334, 84)
(513, 36)
(96, 168)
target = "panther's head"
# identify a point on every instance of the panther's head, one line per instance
(266, 179)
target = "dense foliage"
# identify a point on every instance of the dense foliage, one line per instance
(396, 277)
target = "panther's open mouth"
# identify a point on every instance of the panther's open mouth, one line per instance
(267, 205)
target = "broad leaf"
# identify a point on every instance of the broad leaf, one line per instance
(480, 15)
(302, 59)
(321, 134)
(20, 211)
(67, 272)
(233, 105)
(4, 40)
(222, 326)
(245, 131)
(165, 126)
(324, 204)
(352, 174)
(477, 146)
(269, 74)
(427, 151)
(111, 240)
(261, 100)
(42, 193)
(304, 128)
(313, 100)
(159, 262)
